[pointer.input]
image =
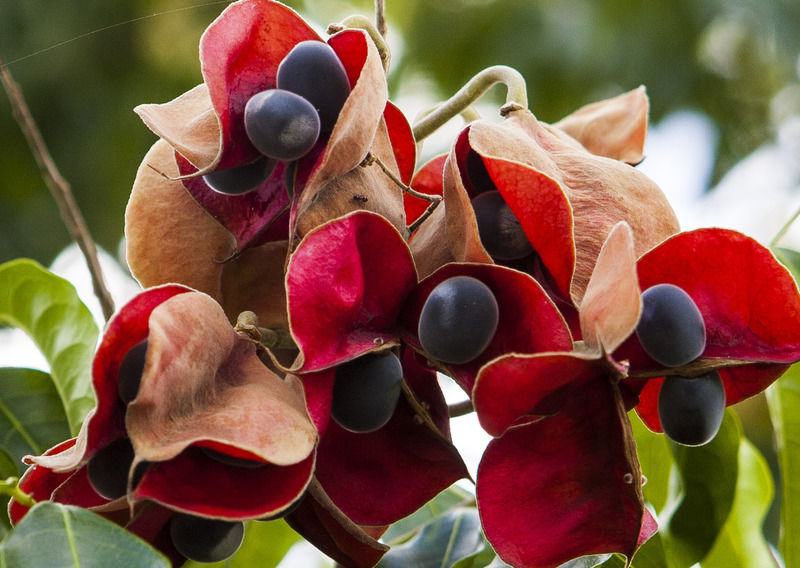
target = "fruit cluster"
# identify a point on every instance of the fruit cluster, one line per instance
(285, 123)
(305, 282)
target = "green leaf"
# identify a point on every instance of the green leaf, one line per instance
(651, 554)
(741, 542)
(655, 459)
(789, 257)
(8, 468)
(62, 535)
(783, 398)
(265, 544)
(445, 540)
(48, 309)
(32, 417)
(614, 561)
(450, 498)
(593, 560)
(700, 503)
(478, 559)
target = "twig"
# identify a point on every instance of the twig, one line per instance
(268, 338)
(59, 188)
(380, 17)
(420, 410)
(434, 200)
(319, 494)
(460, 408)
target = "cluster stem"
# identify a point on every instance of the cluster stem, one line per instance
(10, 487)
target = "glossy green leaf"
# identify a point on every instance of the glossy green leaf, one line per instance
(784, 407)
(699, 505)
(650, 555)
(48, 309)
(53, 535)
(32, 417)
(591, 561)
(741, 542)
(265, 544)
(447, 500)
(655, 459)
(789, 257)
(481, 558)
(441, 543)
(8, 468)
(614, 561)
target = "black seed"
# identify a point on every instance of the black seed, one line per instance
(501, 234)
(458, 320)
(281, 125)
(478, 176)
(691, 409)
(109, 468)
(313, 70)
(205, 540)
(130, 372)
(366, 391)
(241, 179)
(671, 328)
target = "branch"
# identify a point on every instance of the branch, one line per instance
(59, 188)
(380, 17)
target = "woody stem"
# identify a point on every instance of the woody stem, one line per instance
(59, 188)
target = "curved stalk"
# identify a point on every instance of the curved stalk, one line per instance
(516, 98)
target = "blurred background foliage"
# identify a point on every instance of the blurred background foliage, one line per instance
(734, 60)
